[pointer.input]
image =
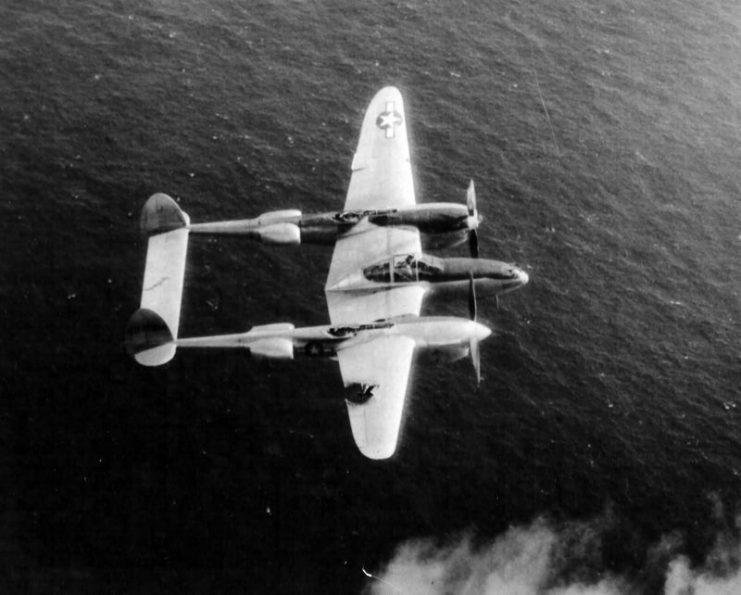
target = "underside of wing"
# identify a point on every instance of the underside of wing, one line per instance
(381, 170)
(377, 374)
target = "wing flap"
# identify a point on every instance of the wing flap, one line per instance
(381, 367)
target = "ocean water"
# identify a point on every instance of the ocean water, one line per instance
(602, 450)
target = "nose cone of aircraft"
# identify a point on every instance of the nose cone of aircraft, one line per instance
(480, 332)
(497, 276)
(513, 277)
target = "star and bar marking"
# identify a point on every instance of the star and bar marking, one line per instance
(389, 120)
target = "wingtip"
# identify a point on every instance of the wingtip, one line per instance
(389, 89)
(389, 93)
(378, 454)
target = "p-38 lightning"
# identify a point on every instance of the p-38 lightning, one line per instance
(378, 278)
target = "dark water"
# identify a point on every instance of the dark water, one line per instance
(603, 139)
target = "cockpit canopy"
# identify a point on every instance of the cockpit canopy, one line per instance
(403, 268)
(353, 217)
(504, 272)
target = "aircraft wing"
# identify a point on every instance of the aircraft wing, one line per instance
(378, 369)
(381, 170)
(381, 179)
(382, 367)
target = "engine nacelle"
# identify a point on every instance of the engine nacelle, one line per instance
(279, 233)
(273, 326)
(273, 348)
(284, 216)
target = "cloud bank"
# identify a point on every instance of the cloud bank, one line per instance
(542, 559)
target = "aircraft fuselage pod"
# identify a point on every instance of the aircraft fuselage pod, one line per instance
(492, 277)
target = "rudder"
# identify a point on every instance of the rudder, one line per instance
(161, 214)
(148, 339)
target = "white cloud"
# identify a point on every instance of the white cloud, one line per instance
(542, 560)
(682, 580)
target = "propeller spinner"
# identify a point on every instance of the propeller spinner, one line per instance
(473, 341)
(473, 220)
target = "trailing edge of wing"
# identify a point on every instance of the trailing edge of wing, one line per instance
(379, 369)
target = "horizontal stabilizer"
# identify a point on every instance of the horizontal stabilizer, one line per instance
(148, 339)
(162, 214)
(164, 271)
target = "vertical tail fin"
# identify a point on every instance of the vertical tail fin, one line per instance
(473, 220)
(164, 272)
(148, 338)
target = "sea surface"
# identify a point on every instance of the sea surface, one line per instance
(600, 455)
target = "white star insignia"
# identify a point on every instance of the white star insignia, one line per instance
(389, 120)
